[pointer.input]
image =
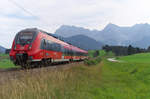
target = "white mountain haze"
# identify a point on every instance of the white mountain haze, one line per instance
(137, 35)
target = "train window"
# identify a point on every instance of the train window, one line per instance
(57, 47)
(70, 52)
(49, 45)
(43, 43)
(62, 49)
(46, 44)
(67, 52)
(73, 52)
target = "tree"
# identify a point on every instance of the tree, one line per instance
(106, 48)
(96, 53)
(148, 49)
(130, 50)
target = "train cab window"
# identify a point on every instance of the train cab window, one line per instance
(25, 37)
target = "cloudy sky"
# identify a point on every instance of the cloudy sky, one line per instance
(51, 14)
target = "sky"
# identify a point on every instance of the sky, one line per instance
(49, 15)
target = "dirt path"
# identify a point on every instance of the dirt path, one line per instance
(113, 60)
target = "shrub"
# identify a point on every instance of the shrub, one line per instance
(94, 61)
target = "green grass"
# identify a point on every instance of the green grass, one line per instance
(108, 80)
(78, 82)
(138, 58)
(129, 79)
(126, 80)
(101, 53)
(5, 62)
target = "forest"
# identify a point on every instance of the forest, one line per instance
(125, 50)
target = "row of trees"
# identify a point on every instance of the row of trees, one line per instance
(124, 50)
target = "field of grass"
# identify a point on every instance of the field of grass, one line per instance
(129, 79)
(138, 58)
(126, 80)
(5, 62)
(77, 82)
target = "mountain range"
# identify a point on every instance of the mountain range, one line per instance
(80, 41)
(2, 49)
(83, 42)
(136, 35)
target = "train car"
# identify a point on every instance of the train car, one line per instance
(34, 46)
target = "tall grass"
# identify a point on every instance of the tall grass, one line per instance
(107, 80)
(93, 61)
(68, 83)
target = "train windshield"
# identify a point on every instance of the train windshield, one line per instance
(24, 38)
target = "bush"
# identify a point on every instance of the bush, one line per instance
(94, 61)
(110, 54)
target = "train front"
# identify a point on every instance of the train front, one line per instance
(21, 46)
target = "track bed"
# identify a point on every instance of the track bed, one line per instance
(16, 73)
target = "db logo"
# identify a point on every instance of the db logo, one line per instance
(21, 48)
(55, 53)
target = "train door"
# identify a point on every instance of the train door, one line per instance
(43, 47)
(63, 52)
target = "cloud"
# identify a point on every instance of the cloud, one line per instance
(51, 14)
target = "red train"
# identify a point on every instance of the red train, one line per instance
(34, 46)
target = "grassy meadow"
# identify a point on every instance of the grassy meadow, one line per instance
(77, 82)
(137, 58)
(5, 62)
(128, 79)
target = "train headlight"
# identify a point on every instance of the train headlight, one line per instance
(30, 47)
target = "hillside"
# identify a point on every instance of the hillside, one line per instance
(112, 34)
(130, 76)
(81, 41)
(84, 42)
(137, 58)
(2, 49)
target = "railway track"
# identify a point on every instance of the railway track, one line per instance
(53, 66)
(16, 73)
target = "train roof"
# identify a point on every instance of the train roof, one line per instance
(68, 44)
(64, 40)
